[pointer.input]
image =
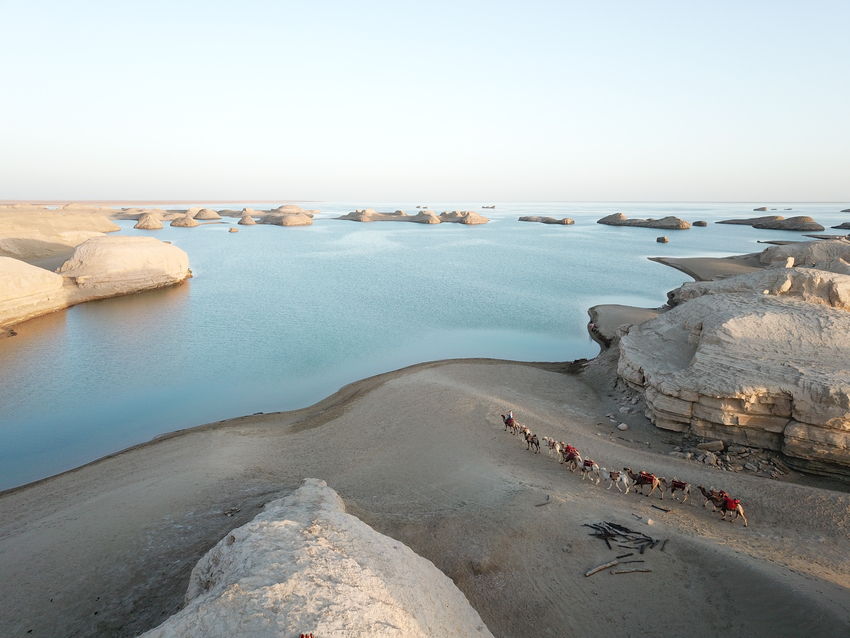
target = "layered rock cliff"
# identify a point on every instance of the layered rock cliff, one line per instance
(304, 565)
(758, 359)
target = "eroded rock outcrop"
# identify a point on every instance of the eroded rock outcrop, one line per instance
(120, 265)
(25, 290)
(371, 215)
(758, 359)
(667, 223)
(99, 267)
(286, 219)
(185, 221)
(566, 221)
(778, 222)
(149, 221)
(207, 214)
(247, 220)
(305, 565)
(468, 217)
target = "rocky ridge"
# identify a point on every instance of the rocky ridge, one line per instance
(305, 565)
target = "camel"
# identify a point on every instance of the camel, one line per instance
(572, 458)
(711, 495)
(551, 446)
(644, 478)
(532, 441)
(677, 486)
(510, 422)
(725, 503)
(588, 467)
(618, 478)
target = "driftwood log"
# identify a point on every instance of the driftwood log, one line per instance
(629, 571)
(600, 568)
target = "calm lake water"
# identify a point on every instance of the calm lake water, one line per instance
(279, 318)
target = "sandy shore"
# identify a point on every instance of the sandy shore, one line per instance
(421, 455)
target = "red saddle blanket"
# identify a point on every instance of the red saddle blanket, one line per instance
(679, 485)
(731, 503)
(588, 463)
(647, 477)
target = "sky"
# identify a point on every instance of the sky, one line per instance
(403, 101)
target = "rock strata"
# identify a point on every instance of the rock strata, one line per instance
(666, 223)
(305, 565)
(756, 359)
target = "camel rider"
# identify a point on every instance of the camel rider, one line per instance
(510, 419)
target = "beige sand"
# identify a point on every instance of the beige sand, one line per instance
(421, 455)
(706, 268)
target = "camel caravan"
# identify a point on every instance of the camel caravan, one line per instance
(625, 480)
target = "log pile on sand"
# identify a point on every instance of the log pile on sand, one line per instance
(666, 223)
(756, 359)
(304, 563)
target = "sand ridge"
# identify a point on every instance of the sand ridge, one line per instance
(422, 456)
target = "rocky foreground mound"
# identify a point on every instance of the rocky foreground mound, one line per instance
(304, 565)
(757, 359)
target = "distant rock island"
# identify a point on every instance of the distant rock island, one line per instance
(566, 221)
(777, 222)
(303, 562)
(667, 223)
(424, 217)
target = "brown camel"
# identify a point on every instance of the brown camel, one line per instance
(645, 478)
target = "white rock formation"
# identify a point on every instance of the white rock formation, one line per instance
(207, 213)
(304, 565)
(370, 215)
(99, 267)
(149, 221)
(185, 221)
(286, 219)
(468, 217)
(751, 368)
(247, 220)
(667, 223)
(121, 265)
(26, 290)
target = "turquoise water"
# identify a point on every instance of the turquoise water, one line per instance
(279, 318)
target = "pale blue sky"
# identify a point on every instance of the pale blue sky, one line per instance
(383, 101)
